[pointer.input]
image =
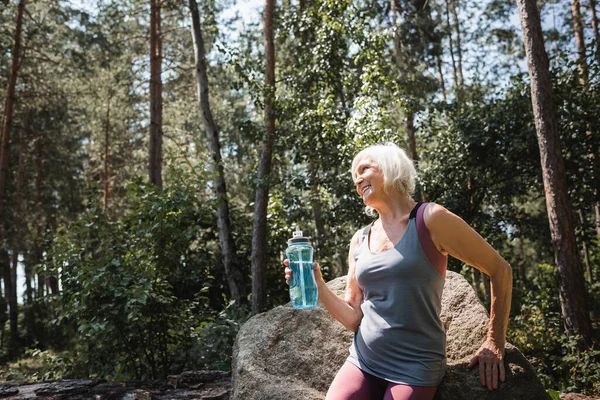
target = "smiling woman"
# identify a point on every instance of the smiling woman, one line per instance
(397, 268)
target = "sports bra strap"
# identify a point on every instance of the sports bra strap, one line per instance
(413, 213)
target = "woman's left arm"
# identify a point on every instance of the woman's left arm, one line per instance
(455, 237)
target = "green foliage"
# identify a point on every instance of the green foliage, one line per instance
(140, 291)
(538, 330)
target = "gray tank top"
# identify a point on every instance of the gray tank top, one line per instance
(401, 337)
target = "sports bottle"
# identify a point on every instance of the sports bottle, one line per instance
(303, 287)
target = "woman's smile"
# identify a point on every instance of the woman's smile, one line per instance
(368, 178)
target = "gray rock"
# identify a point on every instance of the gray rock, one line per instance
(288, 354)
(8, 389)
(576, 396)
(198, 385)
(66, 387)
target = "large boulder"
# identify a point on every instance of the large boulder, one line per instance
(288, 354)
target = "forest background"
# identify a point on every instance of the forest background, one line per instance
(156, 155)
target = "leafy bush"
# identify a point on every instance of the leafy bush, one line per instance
(539, 332)
(143, 292)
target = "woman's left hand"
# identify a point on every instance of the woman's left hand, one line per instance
(490, 357)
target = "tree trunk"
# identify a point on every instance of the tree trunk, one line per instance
(156, 134)
(315, 202)
(410, 132)
(259, 236)
(438, 61)
(400, 61)
(13, 301)
(38, 250)
(106, 195)
(592, 5)
(476, 277)
(451, 48)
(228, 248)
(9, 105)
(570, 278)
(486, 288)
(28, 278)
(461, 80)
(8, 285)
(580, 41)
(3, 315)
(396, 36)
(586, 254)
(521, 273)
(583, 70)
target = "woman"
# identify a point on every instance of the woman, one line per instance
(396, 274)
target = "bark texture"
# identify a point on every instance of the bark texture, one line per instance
(259, 232)
(570, 278)
(228, 248)
(156, 134)
(9, 104)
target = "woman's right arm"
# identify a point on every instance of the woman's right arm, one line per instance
(346, 310)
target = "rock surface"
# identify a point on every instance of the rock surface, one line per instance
(288, 354)
(202, 385)
(576, 396)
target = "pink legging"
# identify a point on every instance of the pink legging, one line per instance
(351, 383)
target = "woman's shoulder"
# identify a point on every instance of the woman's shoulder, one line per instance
(437, 216)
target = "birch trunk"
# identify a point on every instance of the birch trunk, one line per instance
(570, 278)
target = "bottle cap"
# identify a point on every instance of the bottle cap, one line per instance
(297, 237)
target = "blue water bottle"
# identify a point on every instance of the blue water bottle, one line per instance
(303, 287)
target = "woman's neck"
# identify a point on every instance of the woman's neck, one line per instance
(395, 209)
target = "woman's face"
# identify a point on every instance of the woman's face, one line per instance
(368, 179)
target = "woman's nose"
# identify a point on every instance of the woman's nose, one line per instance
(358, 180)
